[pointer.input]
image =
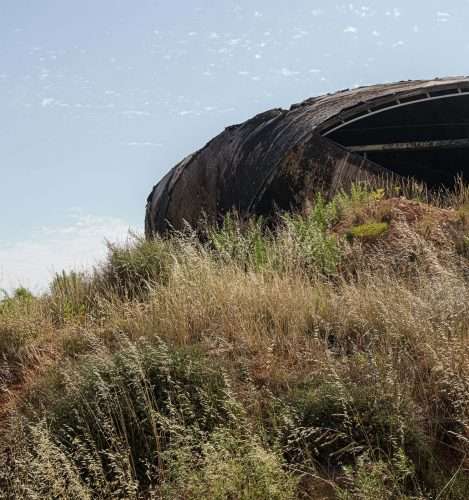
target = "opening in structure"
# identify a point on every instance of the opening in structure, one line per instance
(427, 139)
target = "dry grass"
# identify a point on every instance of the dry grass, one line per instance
(258, 364)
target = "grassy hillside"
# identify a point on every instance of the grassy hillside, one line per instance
(326, 359)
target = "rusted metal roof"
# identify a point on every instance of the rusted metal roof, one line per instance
(279, 157)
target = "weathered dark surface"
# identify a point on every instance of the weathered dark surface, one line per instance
(277, 159)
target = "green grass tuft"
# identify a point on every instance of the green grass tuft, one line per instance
(369, 231)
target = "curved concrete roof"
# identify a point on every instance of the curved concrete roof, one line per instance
(279, 157)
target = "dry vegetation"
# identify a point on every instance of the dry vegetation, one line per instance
(326, 359)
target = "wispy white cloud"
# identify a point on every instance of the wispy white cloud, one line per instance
(443, 17)
(52, 102)
(48, 101)
(288, 72)
(395, 12)
(300, 33)
(112, 93)
(364, 11)
(186, 112)
(350, 29)
(144, 144)
(135, 112)
(79, 245)
(44, 74)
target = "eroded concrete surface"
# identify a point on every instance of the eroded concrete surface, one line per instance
(278, 159)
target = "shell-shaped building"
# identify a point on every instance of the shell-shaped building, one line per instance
(279, 158)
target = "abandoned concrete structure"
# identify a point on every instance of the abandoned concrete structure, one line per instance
(279, 158)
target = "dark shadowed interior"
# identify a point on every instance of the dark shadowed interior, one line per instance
(428, 139)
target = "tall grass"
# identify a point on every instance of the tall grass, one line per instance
(254, 362)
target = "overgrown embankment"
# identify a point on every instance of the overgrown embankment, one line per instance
(327, 358)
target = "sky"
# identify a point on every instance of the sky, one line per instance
(100, 98)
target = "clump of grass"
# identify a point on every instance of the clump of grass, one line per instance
(132, 269)
(375, 480)
(302, 242)
(228, 466)
(111, 420)
(72, 297)
(24, 326)
(342, 420)
(21, 294)
(368, 232)
(308, 239)
(247, 244)
(147, 419)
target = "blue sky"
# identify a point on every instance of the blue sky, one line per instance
(98, 99)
